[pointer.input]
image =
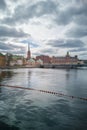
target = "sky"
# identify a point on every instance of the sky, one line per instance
(51, 27)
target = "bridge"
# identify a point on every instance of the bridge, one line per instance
(68, 66)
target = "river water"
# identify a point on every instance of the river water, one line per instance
(22, 109)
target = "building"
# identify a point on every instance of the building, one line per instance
(39, 62)
(30, 62)
(45, 59)
(65, 60)
(28, 53)
(2, 60)
(17, 60)
(8, 58)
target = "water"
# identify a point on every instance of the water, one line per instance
(33, 110)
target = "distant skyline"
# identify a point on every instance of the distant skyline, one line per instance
(51, 27)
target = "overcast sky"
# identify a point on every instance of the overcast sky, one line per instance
(52, 27)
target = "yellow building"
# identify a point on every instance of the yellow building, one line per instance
(2, 60)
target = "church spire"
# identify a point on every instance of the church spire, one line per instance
(28, 47)
(28, 52)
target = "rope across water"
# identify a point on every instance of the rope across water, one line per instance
(45, 91)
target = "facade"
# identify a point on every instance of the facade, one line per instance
(2, 60)
(58, 60)
(31, 61)
(8, 59)
(39, 62)
(17, 60)
(65, 60)
(45, 59)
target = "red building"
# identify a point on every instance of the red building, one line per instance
(44, 58)
(65, 60)
(2, 60)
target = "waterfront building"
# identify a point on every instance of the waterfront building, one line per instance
(2, 60)
(65, 60)
(32, 62)
(45, 59)
(17, 60)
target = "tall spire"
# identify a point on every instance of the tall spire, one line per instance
(28, 47)
(28, 52)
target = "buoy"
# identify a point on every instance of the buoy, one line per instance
(44, 91)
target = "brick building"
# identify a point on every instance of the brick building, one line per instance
(65, 60)
(2, 60)
(44, 58)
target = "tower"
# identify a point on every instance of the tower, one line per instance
(28, 52)
(67, 55)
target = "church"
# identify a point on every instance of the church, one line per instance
(32, 62)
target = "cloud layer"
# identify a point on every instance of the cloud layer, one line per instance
(11, 32)
(45, 24)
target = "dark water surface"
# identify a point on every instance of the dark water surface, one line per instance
(32, 110)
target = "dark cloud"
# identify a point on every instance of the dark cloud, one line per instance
(2, 5)
(8, 46)
(3, 39)
(61, 15)
(36, 53)
(70, 13)
(11, 32)
(78, 32)
(83, 49)
(84, 54)
(66, 43)
(30, 42)
(47, 51)
(26, 12)
(81, 20)
(14, 49)
(4, 46)
(15, 1)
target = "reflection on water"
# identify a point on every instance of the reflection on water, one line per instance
(31, 110)
(4, 126)
(5, 74)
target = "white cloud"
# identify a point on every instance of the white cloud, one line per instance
(40, 21)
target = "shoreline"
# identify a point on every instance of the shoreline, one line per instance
(45, 66)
